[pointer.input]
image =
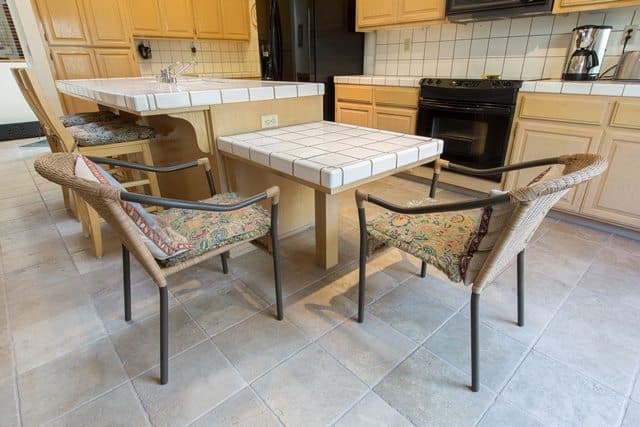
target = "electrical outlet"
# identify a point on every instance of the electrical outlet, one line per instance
(633, 32)
(269, 121)
(407, 44)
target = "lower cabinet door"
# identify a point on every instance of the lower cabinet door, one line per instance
(401, 120)
(538, 140)
(614, 195)
(354, 114)
(75, 63)
(114, 63)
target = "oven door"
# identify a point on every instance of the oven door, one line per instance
(474, 135)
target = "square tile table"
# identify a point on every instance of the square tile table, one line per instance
(330, 158)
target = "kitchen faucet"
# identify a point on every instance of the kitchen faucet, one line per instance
(174, 71)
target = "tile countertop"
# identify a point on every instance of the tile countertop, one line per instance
(328, 154)
(599, 87)
(144, 94)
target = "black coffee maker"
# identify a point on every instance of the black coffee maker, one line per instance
(586, 52)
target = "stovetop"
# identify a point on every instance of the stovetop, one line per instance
(481, 84)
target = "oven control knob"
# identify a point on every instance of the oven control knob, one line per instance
(507, 83)
(429, 81)
(438, 81)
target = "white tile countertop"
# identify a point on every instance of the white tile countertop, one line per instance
(331, 155)
(599, 87)
(142, 94)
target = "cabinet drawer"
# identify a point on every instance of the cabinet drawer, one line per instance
(564, 108)
(354, 93)
(396, 96)
(626, 114)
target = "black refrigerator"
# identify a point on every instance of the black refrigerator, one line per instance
(309, 41)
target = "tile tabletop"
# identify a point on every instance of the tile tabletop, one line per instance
(331, 155)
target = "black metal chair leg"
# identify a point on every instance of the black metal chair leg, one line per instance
(275, 248)
(362, 278)
(225, 265)
(521, 288)
(423, 269)
(164, 335)
(126, 279)
(475, 343)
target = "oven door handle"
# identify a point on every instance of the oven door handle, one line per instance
(466, 109)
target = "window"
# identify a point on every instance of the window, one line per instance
(9, 44)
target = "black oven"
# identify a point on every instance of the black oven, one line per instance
(472, 117)
(466, 10)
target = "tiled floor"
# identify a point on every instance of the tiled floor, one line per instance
(67, 358)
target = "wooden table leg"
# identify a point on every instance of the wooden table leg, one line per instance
(327, 223)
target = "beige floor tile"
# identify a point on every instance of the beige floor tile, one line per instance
(260, 343)
(145, 302)
(410, 310)
(191, 282)
(346, 280)
(139, 345)
(397, 264)
(65, 383)
(596, 335)
(632, 417)
(505, 414)
(6, 358)
(453, 295)
(310, 397)
(635, 395)
(30, 256)
(372, 411)
(118, 408)
(569, 245)
(431, 393)
(615, 273)
(499, 354)
(560, 396)
(86, 262)
(37, 234)
(369, 349)
(23, 199)
(8, 406)
(22, 211)
(44, 272)
(109, 279)
(586, 233)
(625, 244)
(199, 379)
(318, 308)
(223, 305)
(244, 409)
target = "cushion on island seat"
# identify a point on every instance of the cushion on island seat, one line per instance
(206, 231)
(84, 118)
(103, 133)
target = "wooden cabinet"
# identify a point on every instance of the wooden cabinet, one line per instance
(208, 18)
(177, 18)
(235, 19)
(401, 120)
(145, 17)
(566, 6)
(536, 140)
(64, 22)
(108, 23)
(614, 195)
(74, 63)
(113, 63)
(354, 114)
(374, 14)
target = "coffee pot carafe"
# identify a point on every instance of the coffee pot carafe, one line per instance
(586, 52)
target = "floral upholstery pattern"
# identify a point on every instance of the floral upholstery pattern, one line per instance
(84, 118)
(206, 231)
(440, 239)
(103, 133)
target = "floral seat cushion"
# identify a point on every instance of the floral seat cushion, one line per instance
(84, 118)
(207, 231)
(102, 133)
(440, 239)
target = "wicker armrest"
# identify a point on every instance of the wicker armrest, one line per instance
(272, 193)
(431, 208)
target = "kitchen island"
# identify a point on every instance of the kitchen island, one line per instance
(259, 134)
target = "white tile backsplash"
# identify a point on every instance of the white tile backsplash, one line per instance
(527, 48)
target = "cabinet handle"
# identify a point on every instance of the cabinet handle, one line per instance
(46, 38)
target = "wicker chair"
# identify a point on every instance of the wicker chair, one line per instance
(209, 217)
(473, 246)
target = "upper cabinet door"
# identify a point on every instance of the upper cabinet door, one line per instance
(113, 63)
(108, 23)
(565, 6)
(235, 19)
(145, 17)
(64, 22)
(177, 18)
(420, 10)
(208, 16)
(376, 12)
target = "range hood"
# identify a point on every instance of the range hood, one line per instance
(483, 10)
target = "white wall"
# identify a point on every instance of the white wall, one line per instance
(519, 48)
(13, 108)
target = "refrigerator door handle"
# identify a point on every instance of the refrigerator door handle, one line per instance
(312, 63)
